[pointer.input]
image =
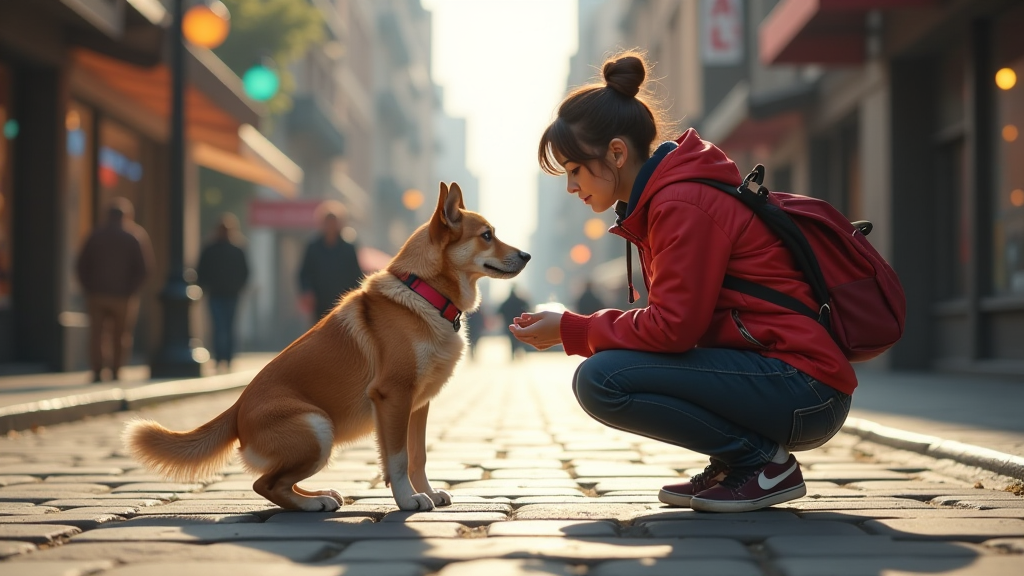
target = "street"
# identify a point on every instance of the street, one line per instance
(539, 487)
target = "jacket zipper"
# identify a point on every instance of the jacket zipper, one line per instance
(744, 332)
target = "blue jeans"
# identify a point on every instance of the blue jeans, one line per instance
(736, 406)
(222, 312)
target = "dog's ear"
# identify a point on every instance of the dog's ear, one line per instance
(448, 213)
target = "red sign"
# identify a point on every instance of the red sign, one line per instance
(288, 214)
(722, 32)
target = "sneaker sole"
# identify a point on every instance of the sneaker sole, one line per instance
(702, 505)
(673, 499)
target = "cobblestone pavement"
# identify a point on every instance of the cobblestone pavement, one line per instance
(539, 488)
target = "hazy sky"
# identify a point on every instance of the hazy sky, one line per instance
(503, 65)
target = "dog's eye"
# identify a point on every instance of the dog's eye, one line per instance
(487, 236)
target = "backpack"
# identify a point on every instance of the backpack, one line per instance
(860, 299)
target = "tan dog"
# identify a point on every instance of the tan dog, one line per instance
(372, 364)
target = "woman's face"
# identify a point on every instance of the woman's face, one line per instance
(593, 182)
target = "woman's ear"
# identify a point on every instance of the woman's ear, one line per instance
(618, 152)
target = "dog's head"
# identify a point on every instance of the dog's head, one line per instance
(468, 240)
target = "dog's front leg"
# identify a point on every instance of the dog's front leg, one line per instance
(418, 458)
(392, 405)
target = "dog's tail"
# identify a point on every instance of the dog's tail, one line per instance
(183, 456)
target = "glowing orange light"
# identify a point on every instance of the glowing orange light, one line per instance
(1010, 133)
(1006, 78)
(594, 228)
(579, 254)
(412, 199)
(72, 121)
(1017, 197)
(207, 25)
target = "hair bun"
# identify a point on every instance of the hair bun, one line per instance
(625, 74)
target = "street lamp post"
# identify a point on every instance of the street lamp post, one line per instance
(175, 357)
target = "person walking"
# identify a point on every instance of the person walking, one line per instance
(112, 266)
(510, 309)
(703, 367)
(222, 273)
(588, 301)
(330, 266)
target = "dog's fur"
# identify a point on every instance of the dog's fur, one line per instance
(372, 364)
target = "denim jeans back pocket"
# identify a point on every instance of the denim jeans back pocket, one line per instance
(814, 425)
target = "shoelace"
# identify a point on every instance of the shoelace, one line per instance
(737, 478)
(711, 471)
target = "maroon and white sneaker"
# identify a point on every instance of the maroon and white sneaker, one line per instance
(680, 494)
(753, 490)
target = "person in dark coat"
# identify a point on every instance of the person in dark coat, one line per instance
(512, 307)
(222, 273)
(330, 266)
(589, 302)
(112, 267)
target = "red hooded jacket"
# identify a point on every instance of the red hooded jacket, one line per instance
(689, 236)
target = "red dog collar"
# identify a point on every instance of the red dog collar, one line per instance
(445, 306)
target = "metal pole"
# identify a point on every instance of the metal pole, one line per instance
(175, 359)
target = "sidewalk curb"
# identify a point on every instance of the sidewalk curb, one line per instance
(75, 407)
(969, 454)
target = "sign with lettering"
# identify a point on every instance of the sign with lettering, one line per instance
(721, 32)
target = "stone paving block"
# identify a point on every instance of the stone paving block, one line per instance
(607, 485)
(513, 493)
(598, 445)
(953, 485)
(240, 485)
(746, 531)
(471, 519)
(855, 504)
(188, 520)
(965, 529)
(24, 508)
(212, 507)
(138, 552)
(109, 480)
(853, 475)
(864, 546)
(436, 553)
(442, 478)
(1010, 545)
(10, 549)
(46, 488)
(173, 487)
(59, 470)
(670, 567)
(85, 521)
(519, 483)
(334, 532)
(276, 569)
(507, 568)
(12, 480)
(816, 492)
(564, 528)
(664, 513)
(594, 456)
(537, 473)
(246, 494)
(902, 566)
(858, 516)
(524, 463)
(36, 533)
(611, 470)
(568, 499)
(460, 501)
(923, 495)
(372, 511)
(57, 568)
(71, 503)
(981, 503)
(616, 512)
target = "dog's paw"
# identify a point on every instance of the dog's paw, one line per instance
(337, 496)
(441, 498)
(419, 502)
(323, 504)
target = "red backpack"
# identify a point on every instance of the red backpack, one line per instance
(860, 299)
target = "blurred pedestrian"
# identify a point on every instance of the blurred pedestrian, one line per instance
(741, 380)
(222, 273)
(114, 263)
(588, 301)
(330, 266)
(512, 307)
(476, 324)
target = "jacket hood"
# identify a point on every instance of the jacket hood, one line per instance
(692, 158)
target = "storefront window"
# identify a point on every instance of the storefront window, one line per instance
(952, 242)
(80, 125)
(120, 164)
(1008, 201)
(8, 132)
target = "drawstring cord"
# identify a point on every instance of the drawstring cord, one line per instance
(629, 271)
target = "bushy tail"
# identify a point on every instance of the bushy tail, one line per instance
(183, 456)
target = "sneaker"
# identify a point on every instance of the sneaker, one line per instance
(680, 494)
(754, 489)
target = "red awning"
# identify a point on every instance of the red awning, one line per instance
(822, 31)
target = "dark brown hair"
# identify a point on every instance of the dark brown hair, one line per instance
(592, 115)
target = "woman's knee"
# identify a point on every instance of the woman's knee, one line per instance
(593, 387)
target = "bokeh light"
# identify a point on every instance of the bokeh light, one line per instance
(1017, 197)
(1006, 78)
(260, 83)
(580, 254)
(412, 199)
(1010, 133)
(11, 129)
(207, 25)
(594, 228)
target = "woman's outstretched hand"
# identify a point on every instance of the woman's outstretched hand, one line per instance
(538, 329)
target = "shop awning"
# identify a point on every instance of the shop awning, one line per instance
(746, 120)
(822, 31)
(219, 117)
